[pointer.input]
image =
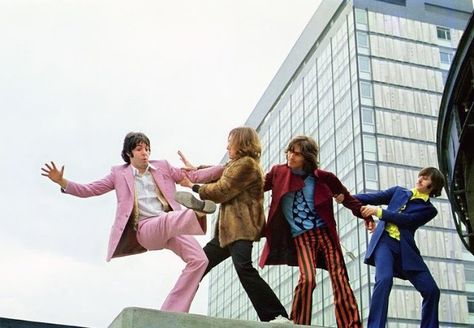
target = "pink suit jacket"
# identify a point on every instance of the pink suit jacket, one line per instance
(123, 239)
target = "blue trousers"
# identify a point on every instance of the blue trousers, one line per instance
(387, 262)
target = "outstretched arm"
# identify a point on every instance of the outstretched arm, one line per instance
(342, 195)
(187, 164)
(376, 198)
(369, 224)
(239, 175)
(337, 188)
(95, 188)
(190, 174)
(55, 175)
(403, 220)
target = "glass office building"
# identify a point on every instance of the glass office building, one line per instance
(365, 79)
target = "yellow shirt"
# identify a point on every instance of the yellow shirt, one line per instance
(391, 228)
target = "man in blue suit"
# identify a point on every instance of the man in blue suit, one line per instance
(392, 248)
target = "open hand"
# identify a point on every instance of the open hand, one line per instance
(55, 175)
(187, 164)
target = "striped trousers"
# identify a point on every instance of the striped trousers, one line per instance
(308, 245)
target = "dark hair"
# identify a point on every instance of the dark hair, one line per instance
(309, 149)
(133, 139)
(437, 180)
(246, 142)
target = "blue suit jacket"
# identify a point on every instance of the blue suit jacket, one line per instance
(415, 214)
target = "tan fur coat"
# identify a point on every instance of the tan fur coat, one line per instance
(240, 193)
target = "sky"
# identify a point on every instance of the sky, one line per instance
(75, 77)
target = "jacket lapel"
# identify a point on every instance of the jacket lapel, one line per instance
(404, 198)
(290, 182)
(128, 175)
(157, 176)
(161, 192)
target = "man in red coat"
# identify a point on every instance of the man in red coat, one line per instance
(301, 229)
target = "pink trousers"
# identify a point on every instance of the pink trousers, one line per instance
(172, 231)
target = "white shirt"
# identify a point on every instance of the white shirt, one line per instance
(145, 190)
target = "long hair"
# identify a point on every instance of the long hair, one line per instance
(437, 180)
(132, 139)
(246, 142)
(308, 148)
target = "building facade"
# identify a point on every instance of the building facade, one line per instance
(365, 79)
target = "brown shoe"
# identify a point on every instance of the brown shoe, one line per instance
(188, 200)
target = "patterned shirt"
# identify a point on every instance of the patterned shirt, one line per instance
(287, 203)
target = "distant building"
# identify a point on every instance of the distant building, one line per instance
(365, 79)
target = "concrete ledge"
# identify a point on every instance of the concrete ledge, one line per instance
(15, 323)
(133, 317)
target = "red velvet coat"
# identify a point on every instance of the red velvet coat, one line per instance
(279, 246)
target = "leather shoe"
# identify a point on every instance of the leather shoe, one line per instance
(188, 200)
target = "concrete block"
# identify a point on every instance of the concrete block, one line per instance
(133, 317)
(15, 323)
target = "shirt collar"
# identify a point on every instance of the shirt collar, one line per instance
(298, 171)
(302, 172)
(137, 174)
(417, 194)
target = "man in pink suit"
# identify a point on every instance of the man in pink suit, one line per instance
(148, 217)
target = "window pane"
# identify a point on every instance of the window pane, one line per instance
(371, 172)
(395, 2)
(365, 90)
(469, 272)
(443, 33)
(470, 302)
(361, 16)
(445, 57)
(364, 64)
(362, 40)
(370, 150)
(367, 115)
